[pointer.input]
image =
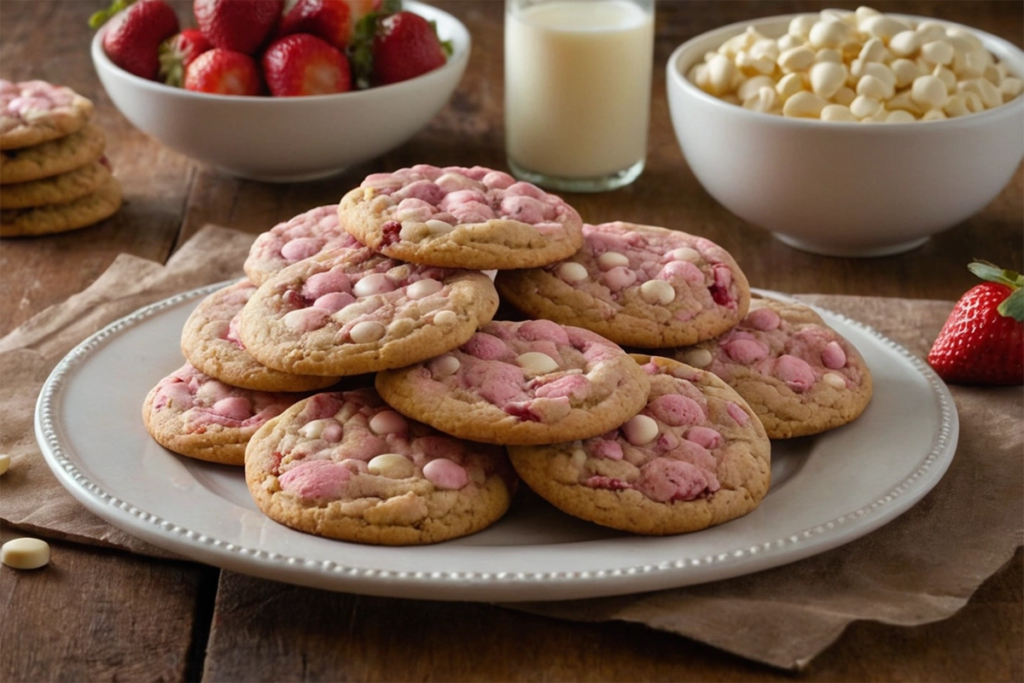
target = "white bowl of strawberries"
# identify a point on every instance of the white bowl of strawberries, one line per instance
(281, 91)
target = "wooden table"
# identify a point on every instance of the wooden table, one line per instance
(103, 615)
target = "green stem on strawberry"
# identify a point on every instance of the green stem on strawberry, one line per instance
(104, 15)
(1013, 305)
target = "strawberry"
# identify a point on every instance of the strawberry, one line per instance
(982, 342)
(224, 72)
(133, 41)
(178, 51)
(239, 25)
(301, 64)
(330, 20)
(405, 46)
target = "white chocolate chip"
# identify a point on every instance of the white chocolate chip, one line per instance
(830, 34)
(837, 112)
(446, 318)
(834, 380)
(929, 92)
(933, 115)
(312, 430)
(827, 78)
(657, 292)
(905, 43)
(797, 59)
(685, 254)
(937, 52)
(570, 271)
(828, 55)
(750, 87)
(844, 96)
(612, 259)
(869, 86)
(804, 105)
(766, 100)
(374, 283)
(423, 288)
(698, 358)
(446, 366)
(5, 463)
(863, 107)
(535, 363)
(801, 25)
(25, 553)
(391, 466)
(640, 430)
(873, 50)
(789, 85)
(905, 71)
(900, 116)
(367, 331)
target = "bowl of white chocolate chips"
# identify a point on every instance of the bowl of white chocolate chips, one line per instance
(850, 133)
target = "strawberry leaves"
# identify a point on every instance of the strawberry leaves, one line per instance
(1013, 305)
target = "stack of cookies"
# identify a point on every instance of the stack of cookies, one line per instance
(359, 376)
(53, 175)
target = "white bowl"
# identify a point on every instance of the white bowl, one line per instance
(843, 189)
(288, 139)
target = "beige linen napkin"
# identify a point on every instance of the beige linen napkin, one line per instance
(922, 567)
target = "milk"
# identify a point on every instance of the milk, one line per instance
(577, 86)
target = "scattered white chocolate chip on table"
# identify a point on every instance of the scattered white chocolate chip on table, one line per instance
(25, 553)
(5, 463)
(861, 66)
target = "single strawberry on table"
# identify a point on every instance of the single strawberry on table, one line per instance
(982, 342)
(178, 51)
(302, 64)
(239, 25)
(133, 41)
(330, 20)
(224, 72)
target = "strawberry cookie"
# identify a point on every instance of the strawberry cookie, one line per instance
(526, 383)
(461, 218)
(195, 415)
(694, 457)
(344, 465)
(210, 343)
(296, 239)
(637, 285)
(352, 310)
(798, 374)
(32, 112)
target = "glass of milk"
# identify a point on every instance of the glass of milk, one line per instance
(578, 91)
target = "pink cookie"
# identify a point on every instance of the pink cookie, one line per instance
(527, 383)
(299, 238)
(798, 374)
(345, 465)
(694, 457)
(461, 218)
(195, 415)
(637, 285)
(210, 343)
(32, 112)
(351, 311)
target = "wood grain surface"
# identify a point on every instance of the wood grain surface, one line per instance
(96, 615)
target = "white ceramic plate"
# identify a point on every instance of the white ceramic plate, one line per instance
(826, 490)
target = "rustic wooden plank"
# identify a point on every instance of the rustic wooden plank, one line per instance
(95, 615)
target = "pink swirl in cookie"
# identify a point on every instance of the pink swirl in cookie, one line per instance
(536, 370)
(425, 201)
(296, 239)
(204, 402)
(350, 444)
(675, 449)
(653, 266)
(800, 351)
(21, 102)
(363, 293)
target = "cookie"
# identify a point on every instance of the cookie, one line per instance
(52, 158)
(198, 416)
(345, 466)
(638, 285)
(694, 457)
(525, 383)
(299, 238)
(461, 218)
(351, 311)
(58, 189)
(54, 218)
(32, 112)
(210, 343)
(799, 375)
